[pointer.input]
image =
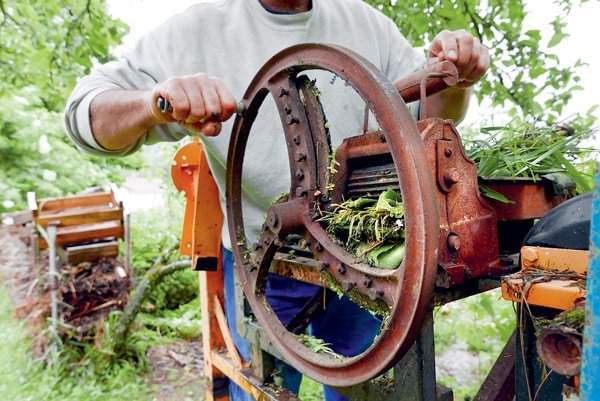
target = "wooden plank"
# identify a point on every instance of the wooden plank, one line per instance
(91, 252)
(55, 204)
(250, 384)
(86, 232)
(79, 216)
(211, 285)
(222, 321)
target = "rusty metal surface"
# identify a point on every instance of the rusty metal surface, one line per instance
(441, 76)
(531, 198)
(468, 237)
(407, 290)
(560, 351)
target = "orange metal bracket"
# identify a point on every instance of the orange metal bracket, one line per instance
(203, 220)
(558, 293)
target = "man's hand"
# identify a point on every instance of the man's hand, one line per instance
(199, 102)
(465, 51)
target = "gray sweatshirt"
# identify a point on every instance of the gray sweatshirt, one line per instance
(232, 39)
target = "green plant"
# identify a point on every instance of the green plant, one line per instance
(482, 322)
(74, 375)
(534, 150)
(523, 77)
(373, 229)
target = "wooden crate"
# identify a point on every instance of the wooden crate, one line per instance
(92, 219)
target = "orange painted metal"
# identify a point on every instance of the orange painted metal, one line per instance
(559, 289)
(556, 259)
(530, 199)
(203, 220)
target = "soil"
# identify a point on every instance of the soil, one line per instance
(176, 369)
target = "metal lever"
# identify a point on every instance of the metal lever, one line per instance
(436, 78)
(163, 105)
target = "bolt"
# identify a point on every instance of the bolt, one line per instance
(375, 294)
(318, 247)
(300, 174)
(287, 110)
(347, 285)
(322, 265)
(273, 219)
(283, 92)
(292, 120)
(300, 192)
(453, 242)
(188, 245)
(451, 176)
(300, 156)
(367, 282)
(341, 268)
(253, 267)
(296, 139)
(257, 246)
(448, 152)
(382, 138)
(529, 254)
(304, 243)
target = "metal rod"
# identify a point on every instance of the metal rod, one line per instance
(50, 236)
(128, 242)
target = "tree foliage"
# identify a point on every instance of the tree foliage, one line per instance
(523, 77)
(49, 44)
(44, 47)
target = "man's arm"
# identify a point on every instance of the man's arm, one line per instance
(472, 61)
(199, 102)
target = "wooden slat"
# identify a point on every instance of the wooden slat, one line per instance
(31, 203)
(89, 215)
(86, 232)
(50, 204)
(91, 252)
(229, 344)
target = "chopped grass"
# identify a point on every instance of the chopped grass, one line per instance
(372, 229)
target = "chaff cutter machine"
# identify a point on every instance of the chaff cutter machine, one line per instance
(457, 243)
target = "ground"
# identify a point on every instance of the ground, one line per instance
(176, 369)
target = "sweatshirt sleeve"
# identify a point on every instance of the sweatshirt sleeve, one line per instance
(140, 69)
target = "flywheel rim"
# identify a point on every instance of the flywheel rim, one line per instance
(414, 280)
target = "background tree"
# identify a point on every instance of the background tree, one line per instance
(44, 47)
(529, 81)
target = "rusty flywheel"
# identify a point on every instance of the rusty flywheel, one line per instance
(407, 290)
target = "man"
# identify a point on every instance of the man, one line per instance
(203, 59)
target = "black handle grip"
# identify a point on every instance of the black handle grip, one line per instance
(163, 105)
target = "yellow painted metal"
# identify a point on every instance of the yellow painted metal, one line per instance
(560, 289)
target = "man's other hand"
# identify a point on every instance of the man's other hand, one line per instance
(199, 102)
(465, 51)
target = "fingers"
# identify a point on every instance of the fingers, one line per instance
(198, 102)
(465, 51)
